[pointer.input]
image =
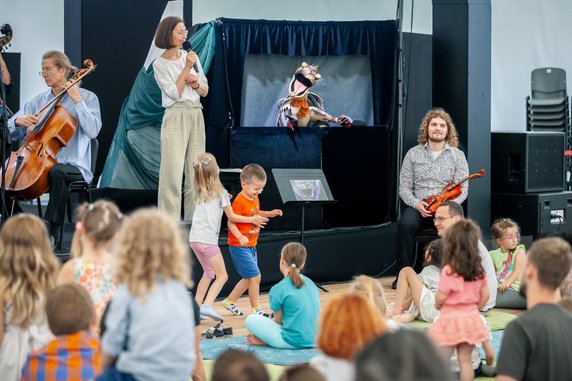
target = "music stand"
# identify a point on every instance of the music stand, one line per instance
(303, 187)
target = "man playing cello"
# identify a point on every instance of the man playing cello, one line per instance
(427, 168)
(74, 160)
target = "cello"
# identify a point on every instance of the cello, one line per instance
(27, 169)
(450, 192)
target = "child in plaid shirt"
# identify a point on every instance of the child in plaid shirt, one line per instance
(74, 354)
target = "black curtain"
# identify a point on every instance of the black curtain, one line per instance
(237, 38)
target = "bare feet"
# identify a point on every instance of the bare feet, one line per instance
(253, 340)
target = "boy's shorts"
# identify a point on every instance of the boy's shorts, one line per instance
(245, 261)
(203, 252)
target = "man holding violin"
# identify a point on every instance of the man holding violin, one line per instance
(427, 168)
(74, 160)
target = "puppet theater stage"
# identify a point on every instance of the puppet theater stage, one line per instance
(356, 235)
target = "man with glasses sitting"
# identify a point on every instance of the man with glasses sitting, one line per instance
(74, 160)
(446, 215)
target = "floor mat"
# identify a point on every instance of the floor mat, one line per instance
(274, 371)
(211, 348)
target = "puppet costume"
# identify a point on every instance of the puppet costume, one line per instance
(302, 107)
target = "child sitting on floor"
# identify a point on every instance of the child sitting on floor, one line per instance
(347, 315)
(28, 270)
(295, 301)
(373, 290)
(91, 260)
(74, 352)
(509, 260)
(150, 324)
(422, 288)
(236, 364)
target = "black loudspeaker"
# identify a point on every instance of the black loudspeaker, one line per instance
(536, 213)
(527, 162)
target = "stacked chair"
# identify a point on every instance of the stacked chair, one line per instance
(548, 107)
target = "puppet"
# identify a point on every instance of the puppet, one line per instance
(302, 107)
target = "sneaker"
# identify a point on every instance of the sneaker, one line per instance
(259, 312)
(232, 308)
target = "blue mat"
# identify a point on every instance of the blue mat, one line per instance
(496, 341)
(212, 348)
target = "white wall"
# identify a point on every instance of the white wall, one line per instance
(316, 10)
(38, 26)
(526, 34)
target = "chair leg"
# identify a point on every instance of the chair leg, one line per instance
(61, 237)
(39, 207)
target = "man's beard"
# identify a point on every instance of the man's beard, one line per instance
(441, 140)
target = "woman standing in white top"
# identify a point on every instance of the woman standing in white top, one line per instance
(182, 81)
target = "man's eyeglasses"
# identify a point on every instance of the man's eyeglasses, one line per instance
(46, 70)
(440, 219)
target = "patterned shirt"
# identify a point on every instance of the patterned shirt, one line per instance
(423, 176)
(97, 278)
(66, 358)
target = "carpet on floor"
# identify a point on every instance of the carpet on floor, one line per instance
(212, 348)
(274, 371)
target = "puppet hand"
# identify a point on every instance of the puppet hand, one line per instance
(344, 121)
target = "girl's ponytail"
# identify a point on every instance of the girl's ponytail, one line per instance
(294, 256)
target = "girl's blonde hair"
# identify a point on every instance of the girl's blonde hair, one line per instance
(99, 222)
(348, 322)
(372, 289)
(206, 183)
(294, 255)
(28, 267)
(150, 246)
(500, 225)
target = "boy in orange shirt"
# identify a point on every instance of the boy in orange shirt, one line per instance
(242, 239)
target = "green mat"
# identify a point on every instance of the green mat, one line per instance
(274, 371)
(497, 321)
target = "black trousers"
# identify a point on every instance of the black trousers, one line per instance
(59, 177)
(411, 222)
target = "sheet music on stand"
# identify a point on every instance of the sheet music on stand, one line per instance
(303, 186)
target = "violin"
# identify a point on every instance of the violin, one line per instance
(450, 192)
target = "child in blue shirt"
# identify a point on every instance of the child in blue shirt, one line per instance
(296, 304)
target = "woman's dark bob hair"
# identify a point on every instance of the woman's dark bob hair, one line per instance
(165, 31)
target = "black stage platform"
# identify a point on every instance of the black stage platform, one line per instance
(334, 255)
